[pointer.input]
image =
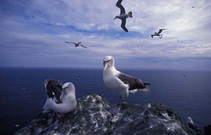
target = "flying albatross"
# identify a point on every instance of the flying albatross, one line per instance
(122, 83)
(60, 103)
(77, 44)
(122, 15)
(192, 126)
(158, 33)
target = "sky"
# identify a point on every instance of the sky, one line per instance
(33, 34)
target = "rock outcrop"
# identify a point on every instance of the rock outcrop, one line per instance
(92, 117)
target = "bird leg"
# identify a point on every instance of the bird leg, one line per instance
(116, 107)
(120, 100)
(59, 115)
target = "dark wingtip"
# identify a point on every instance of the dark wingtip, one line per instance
(125, 29)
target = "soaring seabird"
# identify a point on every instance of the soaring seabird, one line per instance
(158, 33)
(77, 44)
(192, 126)
(122, 15)
(122, 83)
(67, 98)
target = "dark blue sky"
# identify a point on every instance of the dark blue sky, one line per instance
(33, 32)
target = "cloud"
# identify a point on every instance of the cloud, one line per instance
(42, 37)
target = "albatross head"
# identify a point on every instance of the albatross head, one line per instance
(67, 89)
(130, 14)
(108, 62)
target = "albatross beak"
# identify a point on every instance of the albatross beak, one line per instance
(46, 82)
(105, 66)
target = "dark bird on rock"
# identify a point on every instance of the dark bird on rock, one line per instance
(53, 89)
(192, 126)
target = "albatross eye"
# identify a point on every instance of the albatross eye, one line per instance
(107, 61)
(104, 62)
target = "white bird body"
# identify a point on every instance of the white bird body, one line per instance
(111, 81)
(121, 83)
(67, 97)
(122, 16)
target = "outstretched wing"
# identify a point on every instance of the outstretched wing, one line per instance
(160, 30)
(84, 46)
(123, 25)
(70, 43)
(119, 5)
(133, 83)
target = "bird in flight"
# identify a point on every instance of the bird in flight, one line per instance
(158, 33)
(77, 44)
(122, 15)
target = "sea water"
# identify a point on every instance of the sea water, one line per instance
(22, 92)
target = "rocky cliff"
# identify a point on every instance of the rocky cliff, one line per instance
(92, 117)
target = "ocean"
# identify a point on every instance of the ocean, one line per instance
(22, 92)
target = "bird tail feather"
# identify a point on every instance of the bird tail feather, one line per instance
(147, 83)
(46, 107)
(143, 91)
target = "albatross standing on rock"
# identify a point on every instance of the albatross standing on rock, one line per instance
(68, 100)
(53, 89)
(121, 83)
(122, 15)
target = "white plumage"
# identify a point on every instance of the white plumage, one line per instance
(68, 100)
(120, 82)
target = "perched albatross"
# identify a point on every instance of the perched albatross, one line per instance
(77, 44)
(53, 89)
(122, 83)
(158, 33)
(67, 98)
(192, 126)
(122, 15)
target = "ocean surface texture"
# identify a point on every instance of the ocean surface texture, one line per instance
(22, 92)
